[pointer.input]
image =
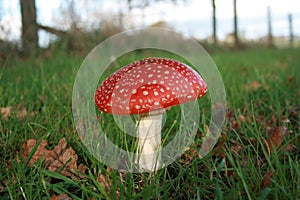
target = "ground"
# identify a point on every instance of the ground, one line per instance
(257, 156)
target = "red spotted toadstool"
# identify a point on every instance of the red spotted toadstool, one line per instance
(148, 87)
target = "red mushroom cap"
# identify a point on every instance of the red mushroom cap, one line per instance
(147, 85)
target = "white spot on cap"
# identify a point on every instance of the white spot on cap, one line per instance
(155, 93)
(156, 103)
(150, 75)
(145, 93)
(137, 107)
(133, 91)
(167, 72)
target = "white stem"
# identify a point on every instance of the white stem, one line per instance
(149, 133)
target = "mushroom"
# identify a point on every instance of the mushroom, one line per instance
(149, 87)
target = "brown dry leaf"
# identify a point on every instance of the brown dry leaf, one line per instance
(235, 122)
(187, 157)
(5, 112)
(220, 145)
(39, 153)
(290, 78)
(276, 136)
(253, 86)
(266, 180)
(241, 118)
(298, 93)
(21, 112)
(105, 182)
(61, 197)
(60, 158)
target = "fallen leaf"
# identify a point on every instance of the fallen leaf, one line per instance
(189, 155)
(60, 158)
(61, 197)
(38, 154)
(218, 148)
(276, 135)
(266, 180)
(21, 112)
(253, 86)
(290, 78)
(241, 118)
(104, 182)
(5, 112)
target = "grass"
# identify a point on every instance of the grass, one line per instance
(262, 88)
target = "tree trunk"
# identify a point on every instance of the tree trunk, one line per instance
(214, 23)
(270, 34)
(235, 32)
(290, 17)
(29, 26)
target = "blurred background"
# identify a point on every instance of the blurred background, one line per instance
(28, 25)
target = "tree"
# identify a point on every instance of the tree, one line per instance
(214, 22)
(142, 4)
(270, 34)
(29, 26)
(290, 18)
(235, 32)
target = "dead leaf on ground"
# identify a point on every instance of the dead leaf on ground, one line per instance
(218, 148)
(106, 183)
(290, 78)
(276, 136)
(5, 112)
(266, 180)
(252, 86)
(274, 141)
(60, 158)
(189, 155)
(19, 111)
(61, 197)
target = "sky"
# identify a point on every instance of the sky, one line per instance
(192, 18)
